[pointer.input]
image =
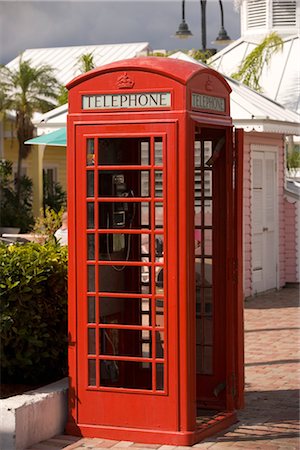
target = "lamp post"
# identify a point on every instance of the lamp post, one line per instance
(183, 31)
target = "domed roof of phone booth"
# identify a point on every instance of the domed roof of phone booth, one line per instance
(181, 71)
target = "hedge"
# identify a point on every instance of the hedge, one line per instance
(33, 312)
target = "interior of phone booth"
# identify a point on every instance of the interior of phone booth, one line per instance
(123, 178)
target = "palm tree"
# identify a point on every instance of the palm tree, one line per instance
(26, 90)
(86, 62)
(252, 66)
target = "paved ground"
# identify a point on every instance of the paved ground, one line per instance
(270, 420)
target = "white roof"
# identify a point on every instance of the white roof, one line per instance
(280, 81)
(253, 111)
(249, 110)
(64, 60)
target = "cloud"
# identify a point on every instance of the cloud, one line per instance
(38, 24)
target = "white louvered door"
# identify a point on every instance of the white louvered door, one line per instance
(264, 221)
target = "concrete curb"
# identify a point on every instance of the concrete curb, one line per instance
(34, 416)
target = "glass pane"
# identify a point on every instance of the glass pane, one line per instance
(159, 322)
(90, 183)
(92, 372)
(145, 152)
(127, 183)
(124, 247)
(159, 280)
(159, 248)
(207, 360)
(91, 278)
(159, 344)
(159, 215)
(90, 154)
(208, 330)
(90, 215)
(207, 151)
(124, 311)
(126, 374)
(158, 151)
(208, 242)
(119, 214)
(90, 247)
(158, 183)
(116, 342)
(91, 310)
(123, 279)
(208, 213)
(91, 341)
(124, 151)
(159, 377)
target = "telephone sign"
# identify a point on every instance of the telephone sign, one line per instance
(155, 315)
(129, 100)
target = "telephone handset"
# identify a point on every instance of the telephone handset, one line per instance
(119, 189)
(120, 216)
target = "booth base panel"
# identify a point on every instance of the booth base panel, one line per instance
(206, 425)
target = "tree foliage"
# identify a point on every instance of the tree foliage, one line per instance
(252, 66)
(26, 90)
(15, 212)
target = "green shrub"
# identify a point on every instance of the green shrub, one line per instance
(33, 312)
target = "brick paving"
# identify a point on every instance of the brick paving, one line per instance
(270, 420)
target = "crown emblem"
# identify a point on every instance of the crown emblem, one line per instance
(209, 84)
(124, 82)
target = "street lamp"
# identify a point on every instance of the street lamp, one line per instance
(183, 31)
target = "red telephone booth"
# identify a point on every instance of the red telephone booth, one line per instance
(155, 298)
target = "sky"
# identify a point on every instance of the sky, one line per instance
(42, 24)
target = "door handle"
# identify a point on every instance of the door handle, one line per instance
(265, 228)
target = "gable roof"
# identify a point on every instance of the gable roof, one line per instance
(254, 111)
(280, 80)
(249, 110)
(64, 60)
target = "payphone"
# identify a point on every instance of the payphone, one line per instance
(155, 310)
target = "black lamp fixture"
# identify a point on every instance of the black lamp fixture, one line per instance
(183, 31)
(222, 37)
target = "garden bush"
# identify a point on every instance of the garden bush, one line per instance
(33, 312)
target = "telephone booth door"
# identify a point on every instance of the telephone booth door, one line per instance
(217, 202)
(125, 302)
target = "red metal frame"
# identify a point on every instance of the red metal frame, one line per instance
(154, 415)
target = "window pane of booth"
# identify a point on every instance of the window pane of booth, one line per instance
(158, 151)
(124, 247)
(90, 247)
(127, 183)
(90, 215)
(90, 183)
(122, 214)
(125, 311)
(158, 174)
(125, 374)
(123, 151)
(159, 344)
(159, 312)
(91, 278)
(90, 153)
(159, 215)
(91, 372)
(91, 341)
(124, 279)
(91, 310)
(159, 377)
(120, 342)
